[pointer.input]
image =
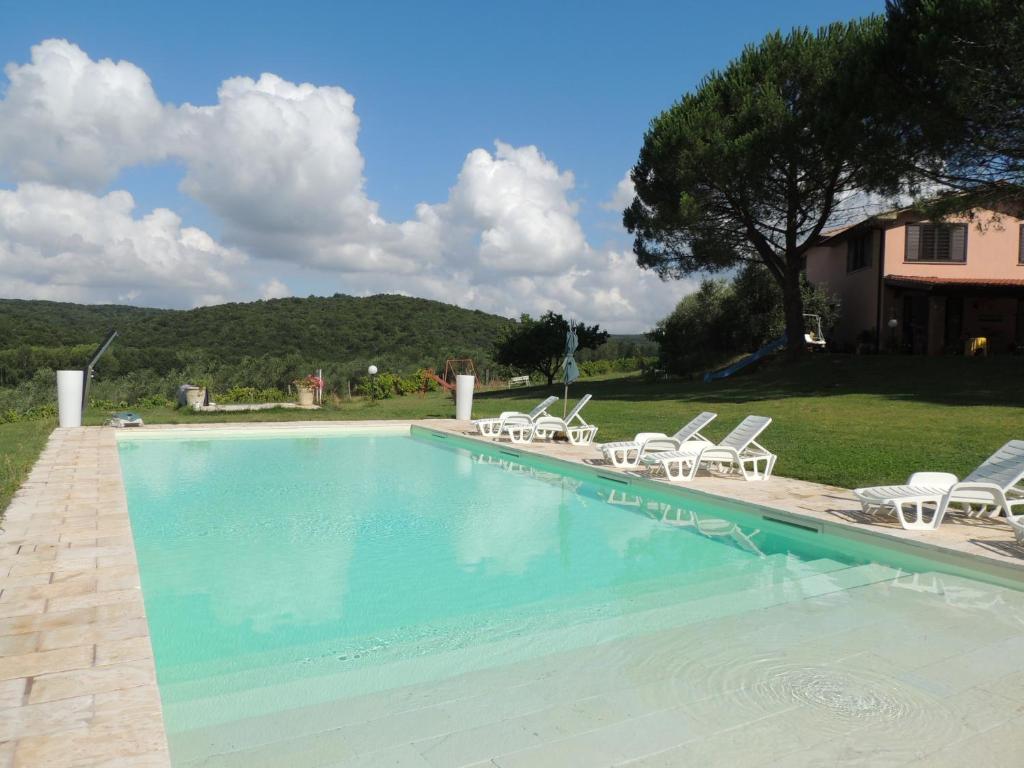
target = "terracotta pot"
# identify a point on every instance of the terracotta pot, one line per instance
(305, 396)
(195, 397)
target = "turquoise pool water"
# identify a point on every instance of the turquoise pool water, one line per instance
(282, 572)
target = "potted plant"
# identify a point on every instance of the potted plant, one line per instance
(306, 387)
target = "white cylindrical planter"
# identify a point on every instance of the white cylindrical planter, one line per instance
(69, 398)
(464, 397)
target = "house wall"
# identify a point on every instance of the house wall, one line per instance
(992, 250)
(857, 291)
(993, 247)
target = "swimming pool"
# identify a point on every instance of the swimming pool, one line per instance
(324, 599)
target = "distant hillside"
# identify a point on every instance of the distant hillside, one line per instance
(396, 331)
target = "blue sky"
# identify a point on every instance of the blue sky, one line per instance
(431, 81)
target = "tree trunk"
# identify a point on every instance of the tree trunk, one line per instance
(793, 309)
(551, 377)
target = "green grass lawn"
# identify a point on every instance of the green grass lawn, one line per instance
(20, 444)
(838, 419)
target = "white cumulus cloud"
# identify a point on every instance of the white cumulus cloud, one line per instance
(274, 289)
(623, 195)
(279, 166)
(64, 244)
(69, 120)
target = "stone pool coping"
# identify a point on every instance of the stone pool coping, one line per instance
(77, 679)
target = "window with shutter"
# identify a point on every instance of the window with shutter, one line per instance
(913, 242)
(858, 252)
(937, 242)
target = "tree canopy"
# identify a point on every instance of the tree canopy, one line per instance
(723, 319)
(953, 81)
(752, 165)
(397, 333)
(539, 345)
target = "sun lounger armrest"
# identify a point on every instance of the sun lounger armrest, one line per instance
(964, 491)
(712, 452)
(643, 437)
(513, 418)
(549, 422)
(933, 479)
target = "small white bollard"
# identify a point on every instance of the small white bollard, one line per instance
(464, 397)
(69, 398)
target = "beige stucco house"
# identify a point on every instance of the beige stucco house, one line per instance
(922, 286)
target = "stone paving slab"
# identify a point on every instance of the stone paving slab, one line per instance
(77, 680)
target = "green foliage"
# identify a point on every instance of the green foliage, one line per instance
(620, 346)
(426, 384)
(953, 74)
(251, 395)
(539, 345)
(752, 165)
(34, 413)
(234, 347)
(342, 334)
(620, 365)
(725, 319)
(382, 386)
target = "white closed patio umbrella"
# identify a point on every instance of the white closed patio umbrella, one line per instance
(570, 371)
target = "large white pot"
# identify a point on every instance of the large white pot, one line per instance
(464, 397)
(305, 395)
(69, 398)
(195, 397)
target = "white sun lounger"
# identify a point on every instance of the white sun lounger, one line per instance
(628, 453)
(738, 449)
(996, 483)
(546, 427)
(494, 426)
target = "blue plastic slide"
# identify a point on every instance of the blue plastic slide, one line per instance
(772, 346)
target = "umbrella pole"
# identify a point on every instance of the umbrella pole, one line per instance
(565, 401)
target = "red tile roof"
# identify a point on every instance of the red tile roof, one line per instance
(966, 282)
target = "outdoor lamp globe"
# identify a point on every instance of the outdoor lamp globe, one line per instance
(372, 370)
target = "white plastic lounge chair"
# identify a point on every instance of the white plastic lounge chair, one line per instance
(628, 453)
(997, 482)
(546, 427)
(493, 427)
(738, 449)
(716, 527)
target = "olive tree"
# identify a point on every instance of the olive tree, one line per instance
(539, 345)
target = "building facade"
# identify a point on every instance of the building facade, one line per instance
(926, 287)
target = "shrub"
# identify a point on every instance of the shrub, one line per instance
(251, 395)
(379, 387)
(618, 365)
(407, 385)
(35, 413)
(426, 384)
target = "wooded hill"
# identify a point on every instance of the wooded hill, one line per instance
(397, 331)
